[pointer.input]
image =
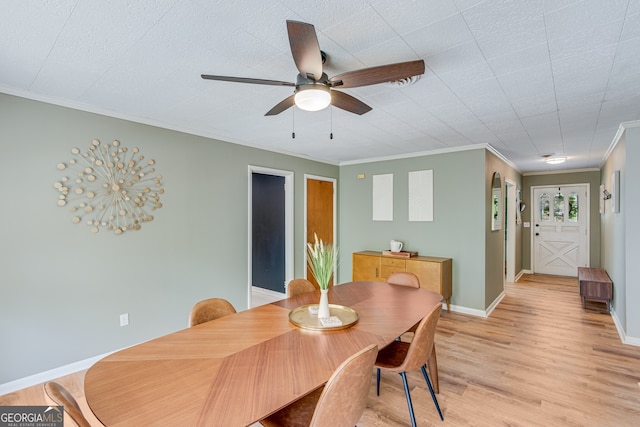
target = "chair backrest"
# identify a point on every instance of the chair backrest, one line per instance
(299, 286)
(404, 278)
(344, 397)
(58, 395)
(210, 309)
(422, 343)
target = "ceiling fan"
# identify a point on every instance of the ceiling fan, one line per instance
(314, 90)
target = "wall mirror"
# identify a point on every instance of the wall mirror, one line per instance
(496, 202)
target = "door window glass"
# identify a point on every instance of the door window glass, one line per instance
(545, 207)
(558, 207)
(573, 207)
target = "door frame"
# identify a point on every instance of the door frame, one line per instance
(532, 216)
(510, 229)
(288, 223)
(335, 222)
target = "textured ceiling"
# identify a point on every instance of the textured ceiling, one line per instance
(528, 77)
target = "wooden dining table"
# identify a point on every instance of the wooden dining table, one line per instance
(238, 369)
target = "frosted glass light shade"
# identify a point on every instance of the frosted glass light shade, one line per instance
(555, 160)
(312, 99)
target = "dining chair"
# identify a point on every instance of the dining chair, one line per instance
(405, 278)
(57, 395)
(402, 357)
(340, 403)
(299, 286)
(210, 309)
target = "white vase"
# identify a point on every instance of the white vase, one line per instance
(323, 307)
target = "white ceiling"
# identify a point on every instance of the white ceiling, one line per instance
(528, 77)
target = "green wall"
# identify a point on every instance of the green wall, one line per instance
(495, 240)
(62, 287)
(458, 228)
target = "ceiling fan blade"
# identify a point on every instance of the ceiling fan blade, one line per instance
(348, 103)
(380, 74)
(281, 106)
(305, 48)
(247, 80)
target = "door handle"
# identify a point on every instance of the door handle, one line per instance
(537, 234)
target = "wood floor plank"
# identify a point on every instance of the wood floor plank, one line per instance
(540, 359)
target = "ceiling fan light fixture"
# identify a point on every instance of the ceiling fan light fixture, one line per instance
(312, 97)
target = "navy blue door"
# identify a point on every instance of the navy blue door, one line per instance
(268, 243)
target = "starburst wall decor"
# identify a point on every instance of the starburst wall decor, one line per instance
(109, 186)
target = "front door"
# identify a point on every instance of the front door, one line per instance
(561, 232)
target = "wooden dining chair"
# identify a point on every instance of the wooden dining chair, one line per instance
(404, 278)
(402, 357)
(210, 309)
(340, 403)
(57, 395)
(299, 286)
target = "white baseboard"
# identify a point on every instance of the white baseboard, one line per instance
(623, 335)
(522, 273)
(467, 310)
(494, 304)
(49, 375)
(267, 292)
(474, 311)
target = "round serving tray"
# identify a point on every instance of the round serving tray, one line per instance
(301, 317)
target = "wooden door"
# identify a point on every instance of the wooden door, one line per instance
(320, 215)
(560, 235)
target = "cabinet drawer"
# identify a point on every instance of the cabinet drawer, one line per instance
(388, 270)
(394, 262)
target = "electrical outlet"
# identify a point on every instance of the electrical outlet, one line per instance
(124, 319)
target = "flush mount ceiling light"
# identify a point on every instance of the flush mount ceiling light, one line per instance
(555, 160)
(312, 97)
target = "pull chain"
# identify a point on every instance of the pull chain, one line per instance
(331, 121)
(293, 122)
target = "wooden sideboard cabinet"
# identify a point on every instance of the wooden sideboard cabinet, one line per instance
(434, 272)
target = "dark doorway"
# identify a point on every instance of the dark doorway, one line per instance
(268, 231)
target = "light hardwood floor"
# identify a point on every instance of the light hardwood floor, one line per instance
(540, 359)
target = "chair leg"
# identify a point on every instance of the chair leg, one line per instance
(433, 395)
(378, 382)
(432, 365)
(408, 394)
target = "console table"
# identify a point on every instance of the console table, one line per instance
(434, 273)
(595, 285)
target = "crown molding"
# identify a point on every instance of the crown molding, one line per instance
(108, 113)
(561, 171)
(623, 126)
